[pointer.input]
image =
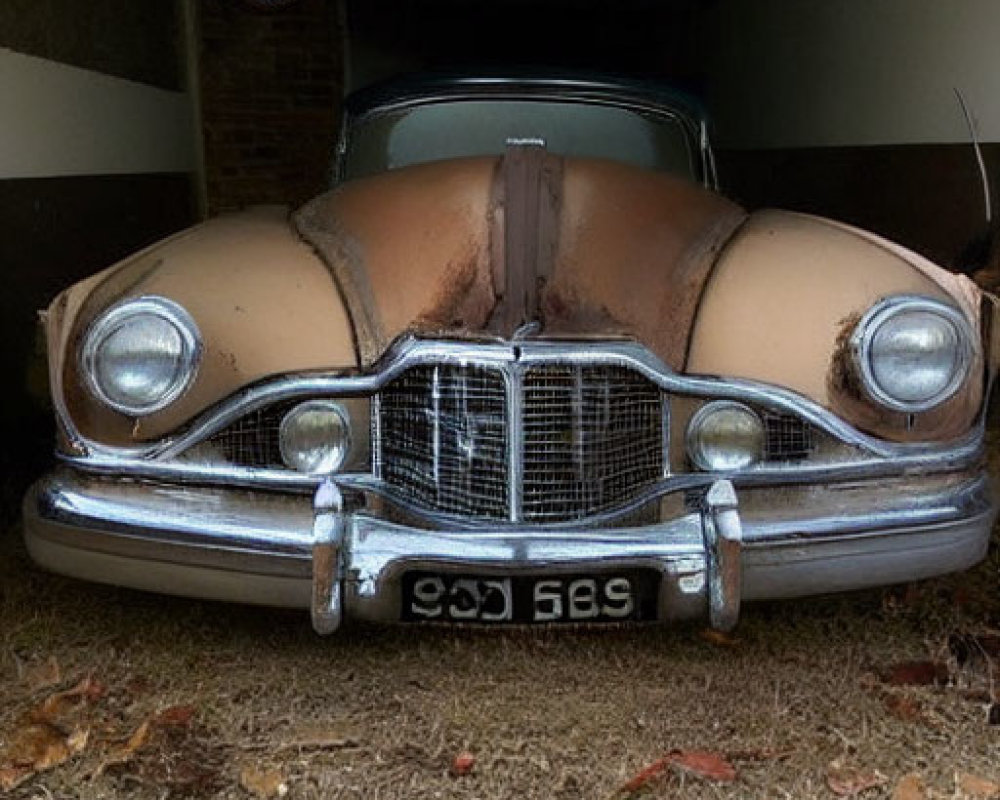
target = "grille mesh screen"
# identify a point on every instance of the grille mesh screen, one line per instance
(444, 439)
(252, 440)
(787, 438)
(593, 438)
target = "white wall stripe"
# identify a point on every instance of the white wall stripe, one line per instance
(60, 120)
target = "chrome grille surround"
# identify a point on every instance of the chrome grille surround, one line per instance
(544, 443)
(841, 452)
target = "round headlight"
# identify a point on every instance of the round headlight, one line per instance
(724, 436)
(912, 353)
(315, 437)
(140, 356)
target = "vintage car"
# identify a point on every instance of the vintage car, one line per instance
(521, 364)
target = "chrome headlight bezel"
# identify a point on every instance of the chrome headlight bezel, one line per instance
(112, 320)
(885, 310)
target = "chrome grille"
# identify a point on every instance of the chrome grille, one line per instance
(593, 438)
(252, 440)
(443, 432)
(787, 438)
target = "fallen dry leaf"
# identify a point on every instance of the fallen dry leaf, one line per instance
(36, 747)
(847, 781)
(916, 673)
(12, 777)
(974, 786)
(702, 763)
(122, 754)
(910, 787)
(88, 690)
(178, 716)
(462, 764)
(263, 783)
(645, 776)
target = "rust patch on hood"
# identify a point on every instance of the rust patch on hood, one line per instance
(409, 249)
(636, 249)
(582, 246)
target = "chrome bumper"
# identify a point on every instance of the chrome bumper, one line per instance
(277, 549)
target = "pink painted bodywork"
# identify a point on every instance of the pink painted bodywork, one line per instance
(626, 252)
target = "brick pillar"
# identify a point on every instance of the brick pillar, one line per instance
(271, 89)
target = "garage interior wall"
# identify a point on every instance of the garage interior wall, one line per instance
(97, 154)
(271, 86)
(848, 109)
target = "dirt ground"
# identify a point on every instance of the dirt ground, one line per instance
(112, 693)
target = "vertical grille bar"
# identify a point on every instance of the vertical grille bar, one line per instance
(515, 411)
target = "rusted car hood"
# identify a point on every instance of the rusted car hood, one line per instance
(580, 247)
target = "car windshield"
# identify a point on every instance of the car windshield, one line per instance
(445, 129)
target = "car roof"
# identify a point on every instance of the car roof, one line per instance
(524, 82)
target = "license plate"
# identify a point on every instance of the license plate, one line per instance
(612, 597)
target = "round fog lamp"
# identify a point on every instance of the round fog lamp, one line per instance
(724, 436)
(315, 437)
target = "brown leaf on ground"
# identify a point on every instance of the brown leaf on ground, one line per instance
(263, 783)
(905, 708)
(88, 690)
(974, 786)
(718, 638)
(462, 764)
(176, 716)
(916, 673)
(171, 751)
(36, 747)
(910, 787)
(702, 763)
(12, 777)
(846, 781)
(122, 754)
(42, 676)
(645, 776)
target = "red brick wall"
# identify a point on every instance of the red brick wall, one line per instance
(271, 84)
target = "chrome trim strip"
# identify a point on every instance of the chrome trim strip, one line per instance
(165, 540)
(514, 380)
(409, 352)
(249, 477)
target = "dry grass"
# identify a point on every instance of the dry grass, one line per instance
(547, 714)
